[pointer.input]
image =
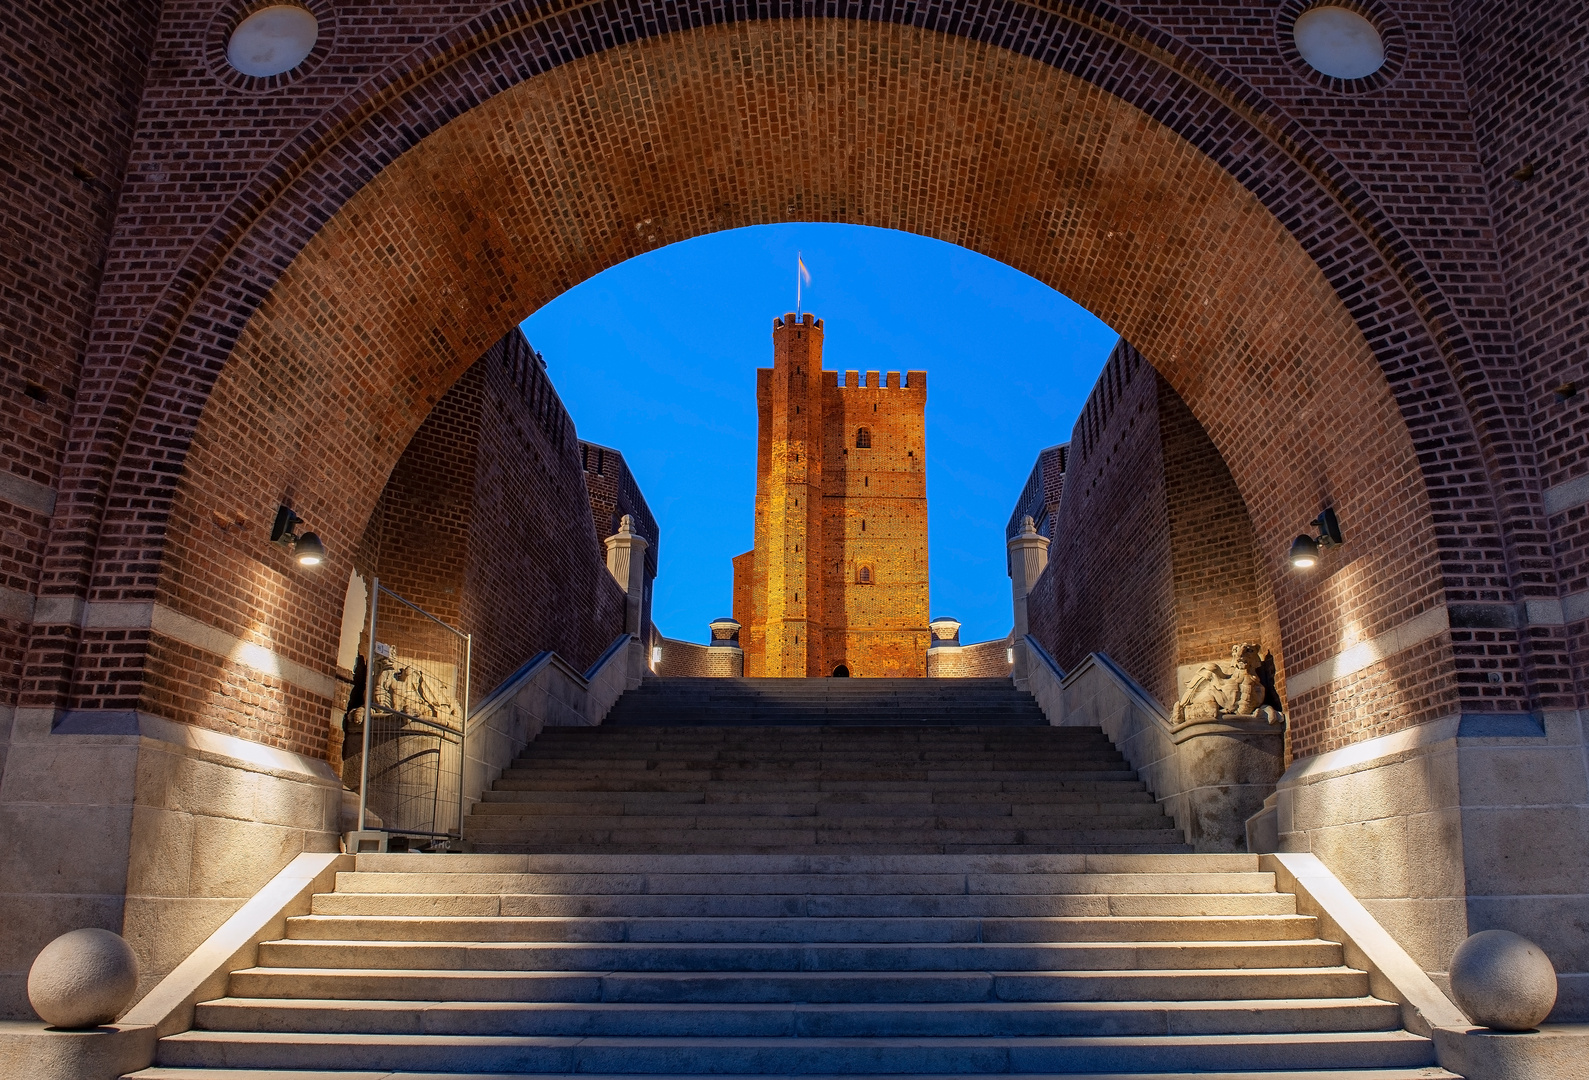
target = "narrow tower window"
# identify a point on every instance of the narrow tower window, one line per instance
(863, 575)
(863, 439)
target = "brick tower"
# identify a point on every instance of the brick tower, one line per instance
(838, 575)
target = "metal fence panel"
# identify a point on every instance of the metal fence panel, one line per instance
(410, 730)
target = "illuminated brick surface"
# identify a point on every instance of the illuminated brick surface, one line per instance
(484, 522)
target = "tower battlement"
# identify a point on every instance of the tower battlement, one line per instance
(914, 380)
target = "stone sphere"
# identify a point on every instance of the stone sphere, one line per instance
(83, 979)
(1503, 981)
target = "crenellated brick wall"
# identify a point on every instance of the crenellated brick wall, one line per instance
(485, 522)
(1151, 559)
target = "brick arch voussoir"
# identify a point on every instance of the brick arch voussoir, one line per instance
(1376, 271)
(388, 213)
(182, 350)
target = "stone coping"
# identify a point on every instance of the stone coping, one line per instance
(1553, 1052)
(1393, 975)
(1502, 728)
(532, 667)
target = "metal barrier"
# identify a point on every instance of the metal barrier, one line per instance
(414, 719)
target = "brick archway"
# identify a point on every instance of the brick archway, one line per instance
(556, 177)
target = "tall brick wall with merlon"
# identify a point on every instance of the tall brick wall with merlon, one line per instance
(486, 522)
(838, 574)
(1039, 499)
(874, 519)
(1152, 557)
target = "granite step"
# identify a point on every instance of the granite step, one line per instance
(851, 1056)
(919, 930)
(839, 1020)
(802, 905)
(387, 984)
(851, 882)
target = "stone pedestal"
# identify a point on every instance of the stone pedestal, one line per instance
(944, 660)
(1028, 557)
(1227, 769)
(724, 657)
(626, 562)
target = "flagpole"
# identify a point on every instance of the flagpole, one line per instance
(798, 256)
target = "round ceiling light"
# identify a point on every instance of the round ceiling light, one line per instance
(272, 40)
(1339, 42)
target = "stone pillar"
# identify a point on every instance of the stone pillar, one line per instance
(943, 652)
(725, 659)
(626, 562)
(1028, 555)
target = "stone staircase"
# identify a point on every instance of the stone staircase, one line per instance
(829, 702)
(885, 890)
(916, 779)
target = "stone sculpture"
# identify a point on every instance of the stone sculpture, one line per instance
(1216, 694)
(406, 688)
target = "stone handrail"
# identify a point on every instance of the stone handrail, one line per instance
(547, 691)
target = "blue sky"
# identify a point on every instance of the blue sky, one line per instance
(657, 357)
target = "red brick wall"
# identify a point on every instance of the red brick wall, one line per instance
(1348, 259)
(1152, 554)
(486, 522)
(986, 659)
(68, 101)
(1109, 586)
(1527, 71)
(874, 514)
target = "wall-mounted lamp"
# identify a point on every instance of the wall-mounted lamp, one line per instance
(307, 548)
(656, 655)
(1305, 549)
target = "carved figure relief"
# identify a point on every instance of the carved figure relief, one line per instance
(1216, 693)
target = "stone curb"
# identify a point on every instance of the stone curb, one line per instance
(1393, 975)
(168, 1008)
(33, 1051)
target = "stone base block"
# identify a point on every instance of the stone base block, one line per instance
(1554, 1052)
(36, 1052)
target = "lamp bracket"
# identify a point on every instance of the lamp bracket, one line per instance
(1329, 528)
(283, 530)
